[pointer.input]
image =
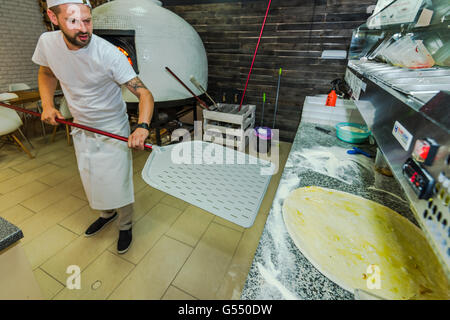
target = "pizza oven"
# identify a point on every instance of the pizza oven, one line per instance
(152, 38)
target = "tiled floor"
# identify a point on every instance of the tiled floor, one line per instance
(179, 251)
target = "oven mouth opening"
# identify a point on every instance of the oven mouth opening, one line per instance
(124, 40)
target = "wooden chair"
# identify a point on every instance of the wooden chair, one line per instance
(11, 122)
(29, 105)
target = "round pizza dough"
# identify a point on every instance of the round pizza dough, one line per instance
(358, 243)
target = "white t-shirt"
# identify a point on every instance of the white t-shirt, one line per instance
(90, 77)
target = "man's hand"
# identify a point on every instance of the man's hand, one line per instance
(137, 139)
(49, 114)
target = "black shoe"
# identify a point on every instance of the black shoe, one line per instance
(98, 225)
(125, 237)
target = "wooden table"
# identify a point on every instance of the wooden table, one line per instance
(26, 96)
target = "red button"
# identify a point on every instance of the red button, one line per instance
(424, 151)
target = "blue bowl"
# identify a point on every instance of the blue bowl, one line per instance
(352, 132)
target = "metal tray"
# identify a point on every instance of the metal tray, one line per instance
(420, 81)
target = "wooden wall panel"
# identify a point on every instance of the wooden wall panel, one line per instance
(296, 33)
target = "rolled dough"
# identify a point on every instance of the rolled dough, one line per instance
(349, 238)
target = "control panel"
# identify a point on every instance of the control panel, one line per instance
(427, 172)
(420, 180)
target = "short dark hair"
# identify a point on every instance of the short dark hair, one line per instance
(55, 9)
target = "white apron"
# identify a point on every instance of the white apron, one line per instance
(105, 165)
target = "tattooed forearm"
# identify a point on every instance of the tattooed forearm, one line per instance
(135, 84)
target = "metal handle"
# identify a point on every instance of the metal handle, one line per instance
(190, 91)
(200, 87)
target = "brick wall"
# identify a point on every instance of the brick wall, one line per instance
(20, 28)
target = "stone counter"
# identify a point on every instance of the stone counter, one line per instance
(279, 270)
(9, 234)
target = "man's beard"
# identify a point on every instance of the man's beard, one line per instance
(75, 41)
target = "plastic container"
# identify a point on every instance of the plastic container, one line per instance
(407, 51)
(352, 132)
(264, 137)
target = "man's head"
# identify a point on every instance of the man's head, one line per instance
(74, 19)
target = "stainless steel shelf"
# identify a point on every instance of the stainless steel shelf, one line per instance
(384, 102)
(417, 86)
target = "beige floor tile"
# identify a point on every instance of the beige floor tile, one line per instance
(49, 286)
(145, 200)
(156, 191)
(47, 244)
(38, 161)
(233, 283)
(13, 159)
(25, 178)
(27, 166)
(44, 146)
(8, 173)
(173, 293)
(11, 199)
(80, 194)
(191, 225)
(148, 230)
(16, 214)
(139, 161)
(174, 202)
(53, 195)
(58, 176)
(79, 221)
(202, 274)
(68, 160)
(99, 279)
(49, 216)
(81, 252)
(153, 275)
(228, 224)
(138, 182)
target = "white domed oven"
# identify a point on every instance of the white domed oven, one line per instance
(152, 38)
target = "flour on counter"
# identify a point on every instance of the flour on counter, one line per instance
(334, 162)
(271, 268)
(270, 279)
(276, 219)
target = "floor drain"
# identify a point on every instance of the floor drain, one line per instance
(97, 284)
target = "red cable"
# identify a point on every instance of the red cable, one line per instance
(104, 133)
(254, 55)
